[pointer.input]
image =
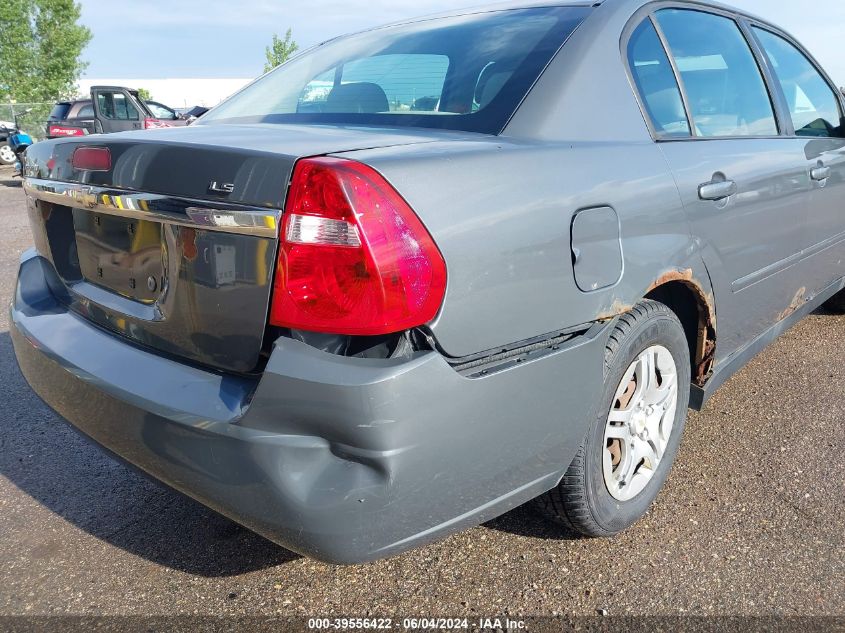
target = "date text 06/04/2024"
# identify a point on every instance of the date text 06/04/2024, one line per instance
(415, 624)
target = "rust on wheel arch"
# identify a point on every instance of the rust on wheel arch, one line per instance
(705, 345)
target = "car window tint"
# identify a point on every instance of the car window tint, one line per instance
(410, 82)
(655, 81)
(813, 105)
(115, 105)
(467, 72)
(314, 94)
(159, 111)
(86, 112)
(725, 89)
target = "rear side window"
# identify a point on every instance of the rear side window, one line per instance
(655, 81)
(813, 105)
(59, 112)
(467, 72)
(725, 89)
(86, 112)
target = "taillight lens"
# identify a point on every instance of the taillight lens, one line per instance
(354, 258)
(155, 124)
(60, 130)
(92, 159)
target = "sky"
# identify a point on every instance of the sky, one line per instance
(219, 38)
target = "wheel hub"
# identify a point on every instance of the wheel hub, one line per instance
(638, 424)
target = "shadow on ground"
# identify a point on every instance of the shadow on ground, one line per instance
(529, 522)
(45, 458)
(6, 179)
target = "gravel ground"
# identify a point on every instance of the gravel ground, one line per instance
(750, 523)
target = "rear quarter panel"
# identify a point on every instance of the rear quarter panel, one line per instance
(501, 211)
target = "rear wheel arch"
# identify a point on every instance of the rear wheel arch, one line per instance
(696, 312)
(584, 501)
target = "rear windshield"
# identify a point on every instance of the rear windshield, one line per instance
(59, 112)
(463, 73)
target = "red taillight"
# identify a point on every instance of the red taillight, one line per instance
(60, 130)
(354, 258)
(155, 124)
(92, 159)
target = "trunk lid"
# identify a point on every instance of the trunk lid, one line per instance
(174, 247)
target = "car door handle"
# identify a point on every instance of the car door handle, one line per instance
(716, 191)
(820, 173)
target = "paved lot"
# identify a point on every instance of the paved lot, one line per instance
(752, 520)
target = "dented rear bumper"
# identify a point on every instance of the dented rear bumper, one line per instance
(345, 460)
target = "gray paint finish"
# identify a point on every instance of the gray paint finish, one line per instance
(507, 237)
(256, 159)
(596, 249)
(743, 237)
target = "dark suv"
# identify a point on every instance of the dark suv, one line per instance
(110, 109)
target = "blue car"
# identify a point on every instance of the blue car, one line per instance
(13, 143)
(19, 143)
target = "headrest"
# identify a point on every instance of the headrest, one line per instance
(360, 98)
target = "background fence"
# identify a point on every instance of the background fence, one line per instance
(33, 122)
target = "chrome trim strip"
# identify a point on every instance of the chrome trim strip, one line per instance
(197, 214)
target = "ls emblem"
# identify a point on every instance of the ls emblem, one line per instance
(221, 187)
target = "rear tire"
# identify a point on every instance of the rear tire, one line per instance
(7, 154)
(621, 466)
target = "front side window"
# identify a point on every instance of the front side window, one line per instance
(813, 105)
(115, 105)
(467, 72)
(655, 81)
(160, 112)
(725, 89)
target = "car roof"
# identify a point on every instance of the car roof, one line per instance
(506, 5)
(471, 10)
(635, 4)
(113, 88)
(713, 4)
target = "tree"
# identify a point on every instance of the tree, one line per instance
(280, 51)
(40, 47)
(144, 94)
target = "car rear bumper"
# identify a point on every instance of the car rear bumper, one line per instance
(345, 460)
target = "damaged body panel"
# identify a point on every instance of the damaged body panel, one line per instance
(345, 481)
